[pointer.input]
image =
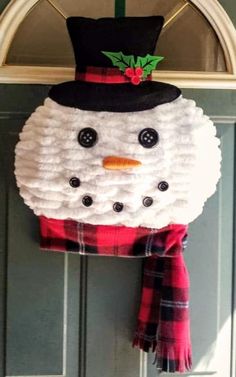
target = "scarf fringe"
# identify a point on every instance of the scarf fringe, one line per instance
(173, 358)
(168, 357)
(144, 344)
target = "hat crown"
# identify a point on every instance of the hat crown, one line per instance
(131, 35)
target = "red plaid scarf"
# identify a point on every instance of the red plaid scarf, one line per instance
(163, 320)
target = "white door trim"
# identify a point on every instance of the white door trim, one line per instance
(17, 10)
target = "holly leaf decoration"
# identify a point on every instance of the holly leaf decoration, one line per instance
(120, 60)
(148, 63)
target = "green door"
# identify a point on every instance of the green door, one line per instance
(75, 315)
(70, 315)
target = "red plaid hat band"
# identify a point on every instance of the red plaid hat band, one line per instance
(104, 75)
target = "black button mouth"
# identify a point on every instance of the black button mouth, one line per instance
(74, 182)
(147, 201)
(163, 186)
(118, 206)
(87, 201)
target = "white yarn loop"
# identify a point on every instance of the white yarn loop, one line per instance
(187, 157)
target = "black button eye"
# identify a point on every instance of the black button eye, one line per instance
(87, 137)
(74, 182)
(87, 201)
(148, 137)
(147, 201)
(163, 186)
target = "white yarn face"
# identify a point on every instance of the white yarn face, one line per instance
(187, 157)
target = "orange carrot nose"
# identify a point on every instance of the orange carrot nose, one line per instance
(119, 163)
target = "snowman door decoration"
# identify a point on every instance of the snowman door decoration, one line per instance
(113, 164)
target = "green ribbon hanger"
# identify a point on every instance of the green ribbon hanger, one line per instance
(119, 8)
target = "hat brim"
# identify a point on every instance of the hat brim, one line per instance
(113, 97)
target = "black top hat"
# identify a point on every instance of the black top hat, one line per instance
(133, 36)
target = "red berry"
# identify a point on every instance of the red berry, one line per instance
(138, 71)
(135, 80)
(129, 72)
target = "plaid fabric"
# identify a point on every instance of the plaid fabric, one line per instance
(163, 320)
(104, 75)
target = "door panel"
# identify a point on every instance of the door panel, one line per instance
(42, 289)
(34, 290)
(211, 242)
(112, 306)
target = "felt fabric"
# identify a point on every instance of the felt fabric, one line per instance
(131, 35)
(163, 321)
(117, 98)
(119, 163)
(135, 67)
